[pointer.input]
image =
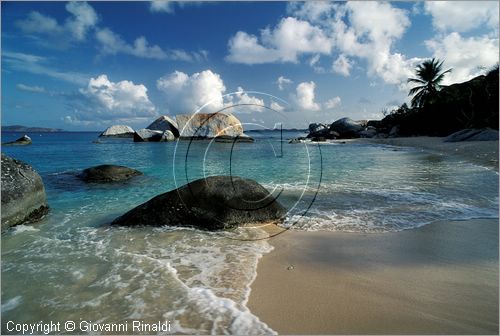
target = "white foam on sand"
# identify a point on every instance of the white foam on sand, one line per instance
(24, 228)
(11, 304)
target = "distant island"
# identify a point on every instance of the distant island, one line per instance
(19, 128)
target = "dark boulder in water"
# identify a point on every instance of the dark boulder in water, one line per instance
(213, 203)
(230, 139)
(346, 128)
(22, 141)
(108, 173)
(23, 193)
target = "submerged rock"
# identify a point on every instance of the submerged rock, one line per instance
(23, 193)
(108, 173)
(214, 203)
(22, 141)
(468, 134)
(118, 131)
(208, 125)
(147, 135)
(165, 123)
(230, 139)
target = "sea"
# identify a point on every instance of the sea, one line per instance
(73, 266)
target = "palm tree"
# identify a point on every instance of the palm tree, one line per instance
(429, 75)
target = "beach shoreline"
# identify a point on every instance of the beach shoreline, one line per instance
(438, 278)
(483, 153)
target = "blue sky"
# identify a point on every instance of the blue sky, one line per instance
(89, 65)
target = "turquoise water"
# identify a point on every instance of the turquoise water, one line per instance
(73, 266)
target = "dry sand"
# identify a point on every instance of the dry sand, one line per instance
(440, 278)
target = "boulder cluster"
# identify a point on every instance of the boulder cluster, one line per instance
(221, 126)
(346, 128)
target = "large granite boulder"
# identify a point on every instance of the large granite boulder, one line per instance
(468, 134)
(321, 131)
(213, 203)
(147, 135)
(165, 123)
(108, 173)
(118, 131)
(22, 141)
(208, 125)
(317, 127)
(346, 128)
(23, 193)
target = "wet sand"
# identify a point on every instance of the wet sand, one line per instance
(441, 278)
(484, 153)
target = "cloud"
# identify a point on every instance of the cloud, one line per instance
(277, 107)
(186, 94)
(462, 16)
(314, 63)
(332, 102)
(282, 82)
(82, 19)
(285, 43)
(112, 43)
(366, 30)
(305, 97)
(342, 65)
(162, 6)
(40, 24)
(312, 11)
(38, 65)
(374, 28)
(468, 56)
(27, 88)
(242, 97)
(104, 101)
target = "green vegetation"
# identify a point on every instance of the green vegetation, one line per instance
(441, 110)
(429, 75)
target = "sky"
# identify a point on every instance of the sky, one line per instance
(90, 65)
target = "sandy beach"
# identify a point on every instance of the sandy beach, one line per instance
(439, 278)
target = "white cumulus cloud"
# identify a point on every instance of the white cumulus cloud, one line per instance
(187, 93)
(468, 56)
(305, 96)
(104, 101)
(285, 43)
(462, 16)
